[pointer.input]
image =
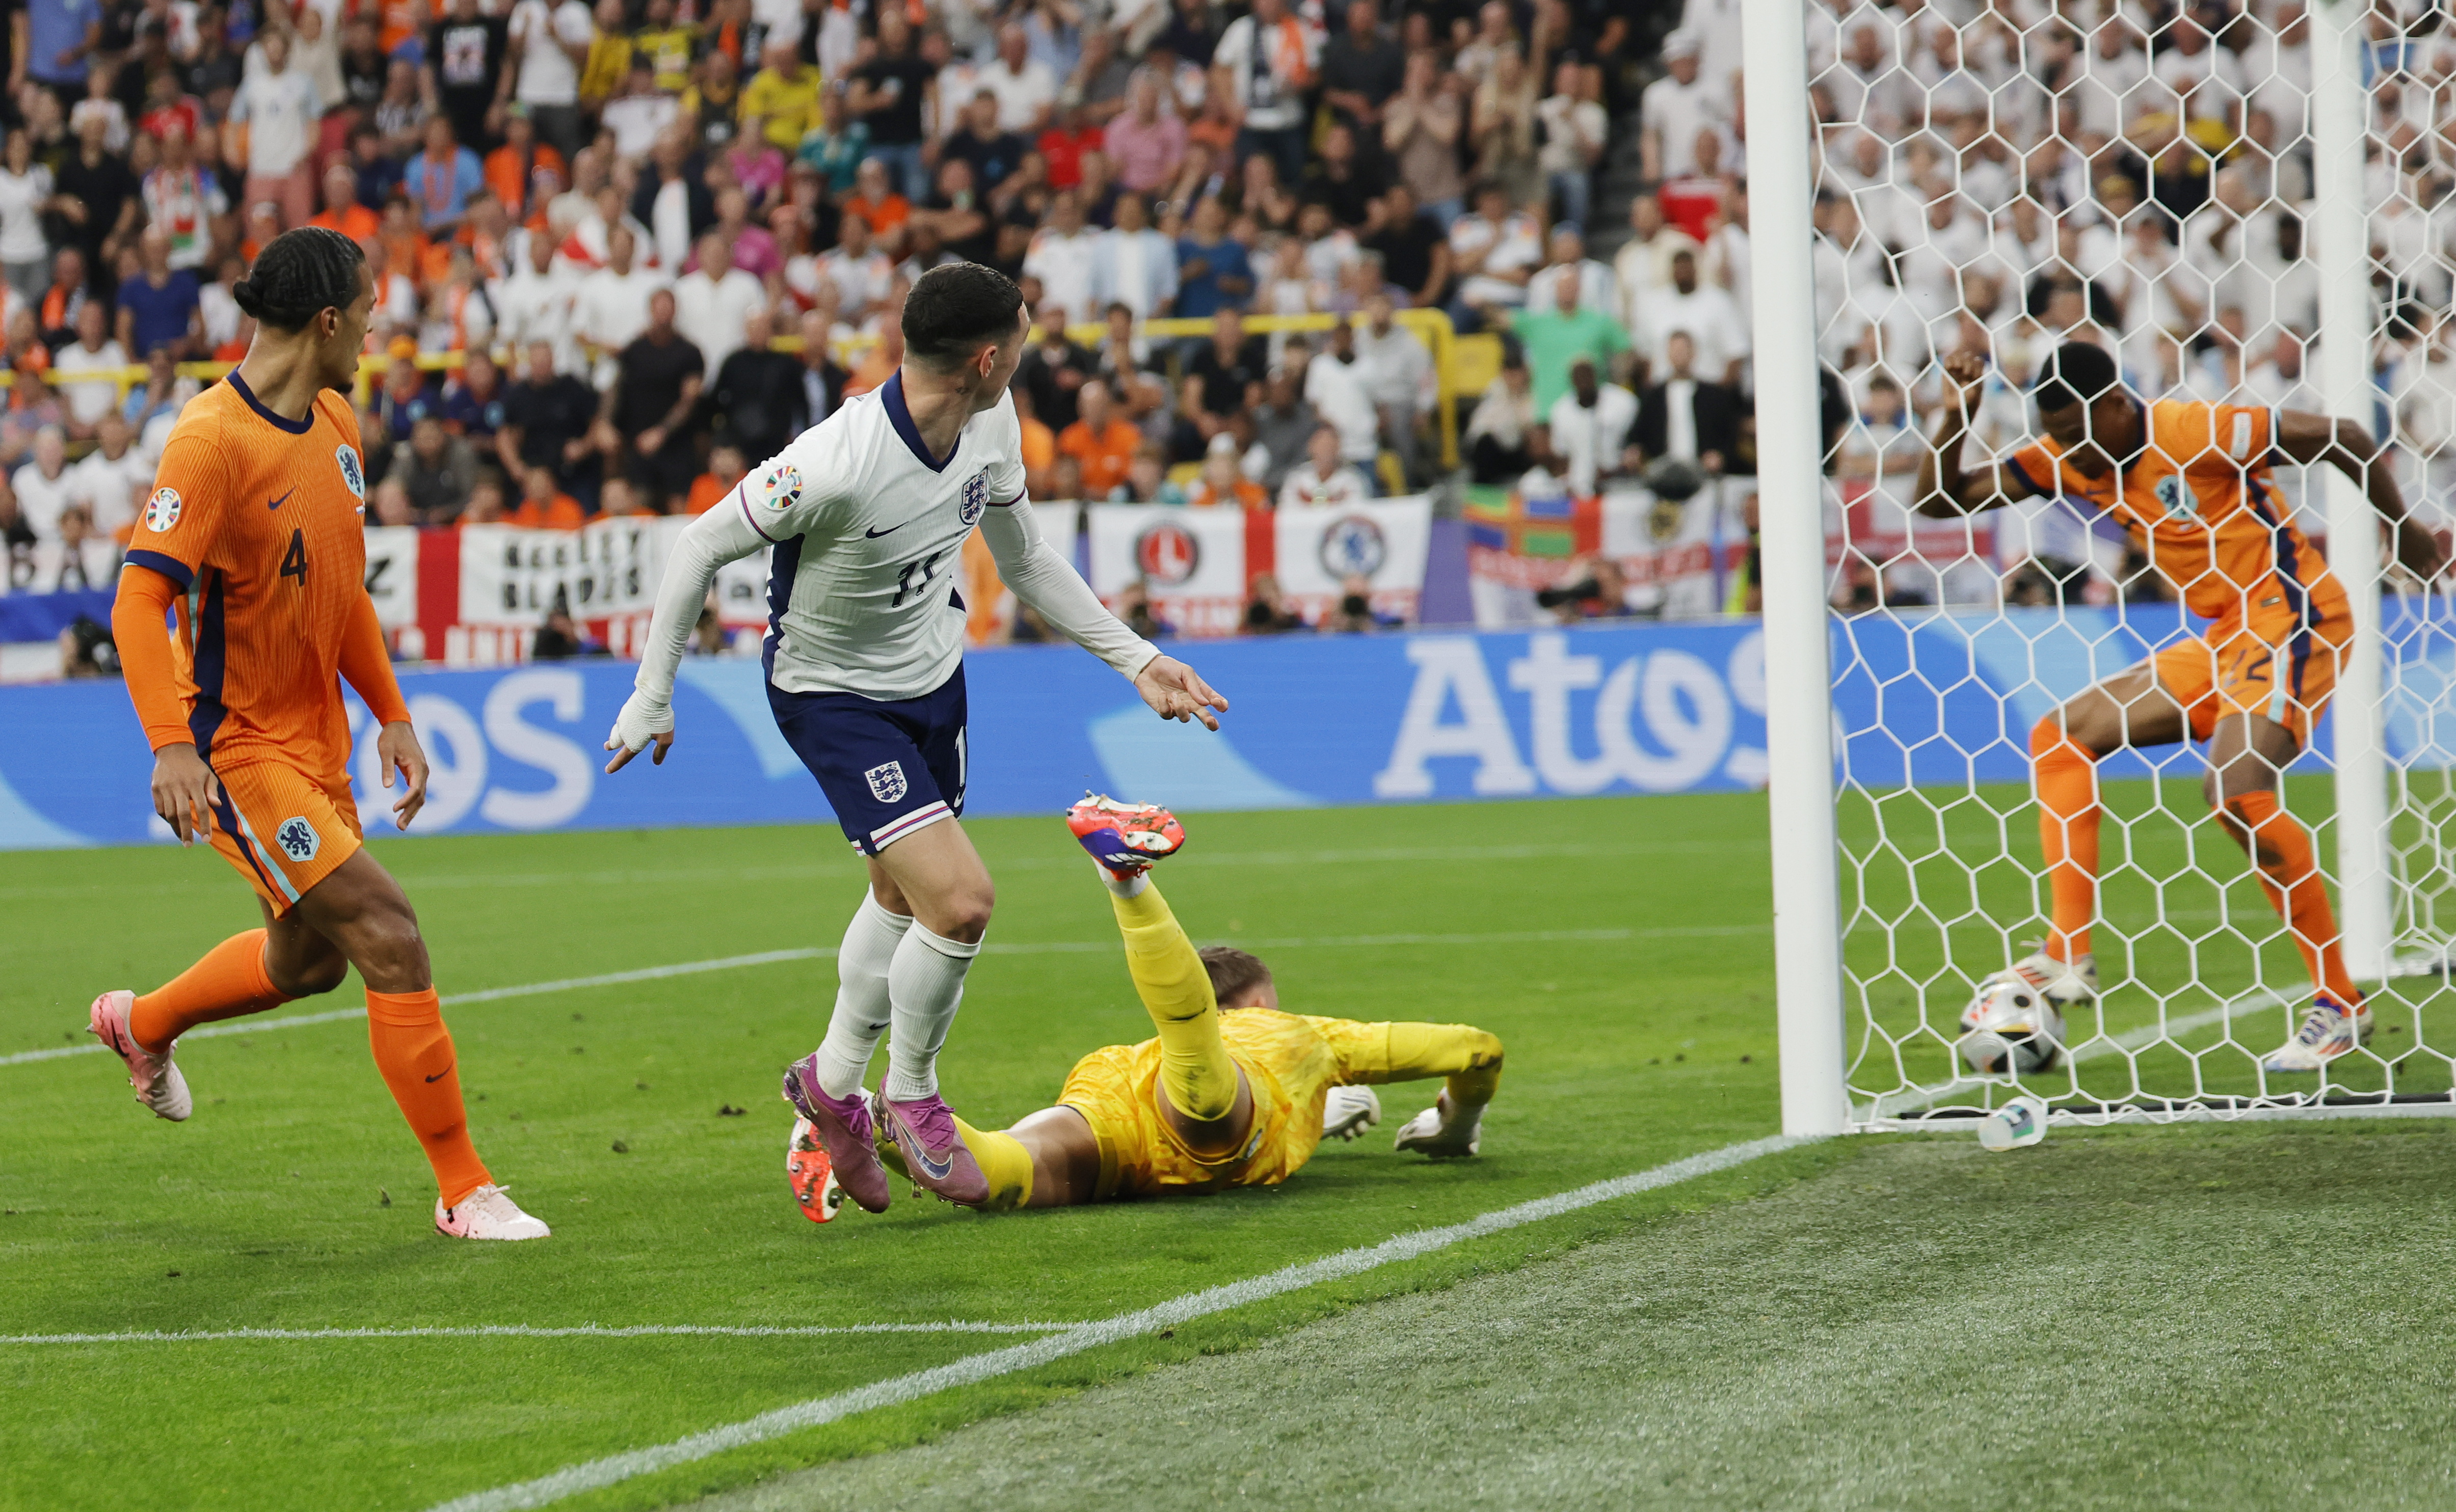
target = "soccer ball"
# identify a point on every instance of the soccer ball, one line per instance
(2011, 1026)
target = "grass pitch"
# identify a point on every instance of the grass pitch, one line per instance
(2135, 1319)
(1618, 947)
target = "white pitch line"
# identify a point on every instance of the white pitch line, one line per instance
(613, 1469)
(531, 1331)
(820, 953)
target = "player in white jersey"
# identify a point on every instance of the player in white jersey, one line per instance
(868, 513)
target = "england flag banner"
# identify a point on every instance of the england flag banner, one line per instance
(1384, 542)
(1190, 561)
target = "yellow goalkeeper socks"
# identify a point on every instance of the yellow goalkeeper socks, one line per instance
(1005, 1164)
(1196, 1074)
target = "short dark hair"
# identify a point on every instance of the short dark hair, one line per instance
(2075, 372)
(1233, 973)
(299, 275)
(954, 309)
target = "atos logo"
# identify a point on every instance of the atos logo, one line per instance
(1167, 555)
(1353, 547)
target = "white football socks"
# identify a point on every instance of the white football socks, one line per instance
(861, 1015)
(924, 985)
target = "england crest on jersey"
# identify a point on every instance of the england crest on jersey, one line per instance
(886, 781)
(976, 498)
(352, 475)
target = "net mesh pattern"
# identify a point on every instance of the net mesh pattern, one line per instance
(1998, 179)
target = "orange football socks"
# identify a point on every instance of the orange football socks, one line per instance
(2066, 780)
(414, 1051)
(2289, 873)
(230, 982)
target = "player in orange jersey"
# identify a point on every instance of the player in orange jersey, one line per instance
(255, 540)
(2190, 483)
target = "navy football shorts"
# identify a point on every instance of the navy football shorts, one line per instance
(889, 768)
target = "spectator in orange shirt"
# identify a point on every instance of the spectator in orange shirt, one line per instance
(342, 211)
(543, 506)
(881, 206)
(1039, 443)
(1224, 481)
(510, 167)
(1101, 442)
(725, 469)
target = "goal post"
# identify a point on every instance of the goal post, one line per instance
(2001, 176)
(1791, 514)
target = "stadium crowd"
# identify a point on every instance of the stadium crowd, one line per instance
(607, 216)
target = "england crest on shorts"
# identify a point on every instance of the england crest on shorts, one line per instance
(976, 497)
(886, 781)
(352, 476)
(297, 839)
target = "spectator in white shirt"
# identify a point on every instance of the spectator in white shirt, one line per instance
(1397, 377)
(1496, 250)
(535, 304)
(1574, 128)
(1704, 312)
(610, 307)
(1026, 88)
(1677, 109)
(1063, 255)
(42, 485)
(1589, 426)
(1323, 478)
(859, 272)
(551, 40)
(279, 108)
(1134, 265)
(88, 402)
(710, 304)
(106, 483)
(1596, 286)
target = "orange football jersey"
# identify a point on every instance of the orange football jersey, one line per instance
(258, 519)
(2199, 502)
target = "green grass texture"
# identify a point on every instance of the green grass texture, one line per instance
(1620, 948)
(2115, 1322)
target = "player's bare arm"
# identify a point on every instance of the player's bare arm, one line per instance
(2347, 447)
(1946, 489)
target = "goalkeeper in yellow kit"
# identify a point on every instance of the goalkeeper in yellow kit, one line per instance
(1230, 1094)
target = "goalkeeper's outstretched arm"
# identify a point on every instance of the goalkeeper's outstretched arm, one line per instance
(1049, 583)
(720, 536)
(1946, 491)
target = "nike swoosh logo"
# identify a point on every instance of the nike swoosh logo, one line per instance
(277, 503)
(446, 1071)
(889, 531)
(936, 1168)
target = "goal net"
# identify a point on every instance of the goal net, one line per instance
(2001, 179)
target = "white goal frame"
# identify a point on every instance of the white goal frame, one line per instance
(1809, 939)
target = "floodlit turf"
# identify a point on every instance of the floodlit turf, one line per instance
(2248, 1317)
(603, 1110)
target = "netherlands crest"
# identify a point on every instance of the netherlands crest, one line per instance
(2176, 498)
(353, 476)
(886, 781)
(297, 838)
(976, 497)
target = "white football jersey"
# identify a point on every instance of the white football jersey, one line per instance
(869, 532)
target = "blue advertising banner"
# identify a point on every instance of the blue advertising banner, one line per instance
(1646, 708)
